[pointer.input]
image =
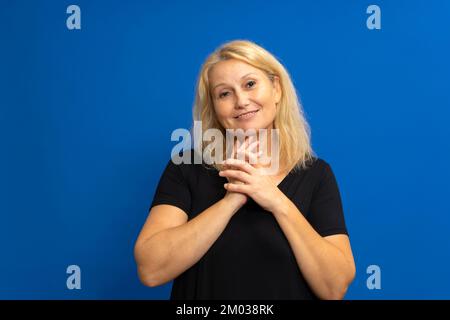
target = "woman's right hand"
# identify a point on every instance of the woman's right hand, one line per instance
(246, 151)
(235, 197)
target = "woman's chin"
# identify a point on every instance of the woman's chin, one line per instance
(251, 126)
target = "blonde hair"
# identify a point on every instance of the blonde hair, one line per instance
(294, 131)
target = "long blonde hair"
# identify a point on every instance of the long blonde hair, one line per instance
(294, 131)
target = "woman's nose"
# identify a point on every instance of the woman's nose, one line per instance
(242, 100)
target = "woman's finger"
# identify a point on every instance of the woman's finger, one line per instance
(248, 154)
(253, 157)
(253, 145)
(233, 187)
(237, 148)
(241, 165)
(236, 175)
(240, 148)
(245, 151)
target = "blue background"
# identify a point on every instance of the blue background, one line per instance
(86, 117)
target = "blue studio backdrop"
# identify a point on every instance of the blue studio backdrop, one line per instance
(87, 113)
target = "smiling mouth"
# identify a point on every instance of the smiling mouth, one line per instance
(247, 115)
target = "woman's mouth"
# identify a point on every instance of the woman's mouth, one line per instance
(247, 115)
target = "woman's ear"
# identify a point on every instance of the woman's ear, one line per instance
(277, 88)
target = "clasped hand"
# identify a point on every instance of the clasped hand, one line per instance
(250, 179)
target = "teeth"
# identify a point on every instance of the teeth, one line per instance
(247, 113)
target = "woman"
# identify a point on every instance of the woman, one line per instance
(235, 232)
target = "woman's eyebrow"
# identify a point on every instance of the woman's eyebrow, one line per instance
(244, 76)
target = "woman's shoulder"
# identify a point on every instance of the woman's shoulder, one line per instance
(315, 166)
(321, 163)
(314, 162)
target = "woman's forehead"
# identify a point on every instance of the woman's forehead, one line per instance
(233, 69)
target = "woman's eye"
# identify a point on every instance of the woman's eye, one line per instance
(223, 94)
(251, 83)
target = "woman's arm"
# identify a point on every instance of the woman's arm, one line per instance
(163, 255)
(326, 262)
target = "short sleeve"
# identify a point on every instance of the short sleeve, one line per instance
(326, 214)
(173, 188)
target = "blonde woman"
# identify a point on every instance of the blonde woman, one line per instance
(234, 232)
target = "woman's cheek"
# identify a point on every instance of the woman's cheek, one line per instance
(224, 119)
(262, 96)
(224, 112)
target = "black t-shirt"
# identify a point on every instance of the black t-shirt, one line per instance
(252, 258)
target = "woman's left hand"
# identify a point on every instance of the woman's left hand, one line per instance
(257, 185)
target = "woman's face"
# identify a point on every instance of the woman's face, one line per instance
(243, 96)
